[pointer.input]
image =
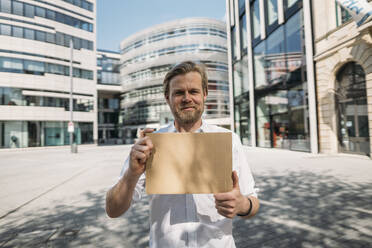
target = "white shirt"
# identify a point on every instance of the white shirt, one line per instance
(191, 220)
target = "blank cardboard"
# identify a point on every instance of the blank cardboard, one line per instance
(189, 163)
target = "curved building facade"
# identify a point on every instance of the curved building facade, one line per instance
(148, 55)
(35, 75)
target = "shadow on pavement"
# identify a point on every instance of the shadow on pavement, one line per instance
(78, 226)
(300, 209)
(303, 209)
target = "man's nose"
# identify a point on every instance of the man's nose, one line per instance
(186, 97)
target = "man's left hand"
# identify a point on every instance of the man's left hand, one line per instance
(232, 203)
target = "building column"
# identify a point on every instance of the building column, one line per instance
(252, 103)
(310, 76)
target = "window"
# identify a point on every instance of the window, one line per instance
(59, 17)
(67, 40)
(40, 35)
(16, 64)
(6, 6)
(90, 45)
(5, 29)
(34, 67)
(51, 38)
(293, 34)
(56, 69)
(77, 43)
(17, 32)
(233, 43)
(29, 33)
(243, 34)
(255, 14)
(241, 6)
(77, 3)
(29, 10)
(40, 12)
(289, 3)
(50, 14)
(17, 8)
(60, 39)
(272, 12)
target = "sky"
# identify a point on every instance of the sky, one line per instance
(118, 19)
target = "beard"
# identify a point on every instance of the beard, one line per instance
(188, 117)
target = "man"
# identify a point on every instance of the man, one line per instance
(200, 220)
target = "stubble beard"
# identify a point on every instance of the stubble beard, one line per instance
(188, 117)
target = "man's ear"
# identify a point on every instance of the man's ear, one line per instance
(205, 95)
(166, 98)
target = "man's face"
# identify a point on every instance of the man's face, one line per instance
(186, 98)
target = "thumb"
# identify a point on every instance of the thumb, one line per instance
(235, 180)
(143, 132)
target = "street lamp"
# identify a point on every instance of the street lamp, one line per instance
(71, 128)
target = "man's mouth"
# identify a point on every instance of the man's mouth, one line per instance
(188, 108)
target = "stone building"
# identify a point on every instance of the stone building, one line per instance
(343, 65)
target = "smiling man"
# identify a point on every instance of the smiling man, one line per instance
(199, 220)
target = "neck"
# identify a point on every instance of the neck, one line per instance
(187, 128)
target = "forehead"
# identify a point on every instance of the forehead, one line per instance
(190, 79)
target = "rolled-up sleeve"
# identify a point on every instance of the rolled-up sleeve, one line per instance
(241, 166)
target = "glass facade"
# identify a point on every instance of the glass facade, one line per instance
(279, 79)
(57, 38)
(241, 100)
(109, 71)
(24, 66)
(154, 55)
(20, 134)
(15, 97)
(256, 23)
(30, 11)
(178, 32)
(81, 3)
(108, 120)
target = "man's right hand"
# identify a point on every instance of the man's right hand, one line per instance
(140, 152)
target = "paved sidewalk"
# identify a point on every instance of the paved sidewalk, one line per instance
(51, 198)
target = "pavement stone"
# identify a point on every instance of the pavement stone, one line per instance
(58, 198)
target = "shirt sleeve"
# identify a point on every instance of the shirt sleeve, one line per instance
(139, 190)
(241, 166)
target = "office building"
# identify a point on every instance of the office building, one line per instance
(108, 93)
(34, 72)
(148, 55)
(300, 72)
(272, 76)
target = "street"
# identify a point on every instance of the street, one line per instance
(52, 198)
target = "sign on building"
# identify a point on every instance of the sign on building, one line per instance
(360, 10)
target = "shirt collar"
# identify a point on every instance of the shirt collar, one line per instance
(202, 129)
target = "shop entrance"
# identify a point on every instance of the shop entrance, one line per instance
(351, 108)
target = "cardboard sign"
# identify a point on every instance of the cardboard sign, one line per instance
(189, 163)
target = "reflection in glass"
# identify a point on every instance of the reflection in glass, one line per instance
(272, 11)
(243, 34)
(280, 88)
(233, 43)
(255, 15)
(289, 3)
(241, 100)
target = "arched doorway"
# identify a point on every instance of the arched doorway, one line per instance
(351, 108)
